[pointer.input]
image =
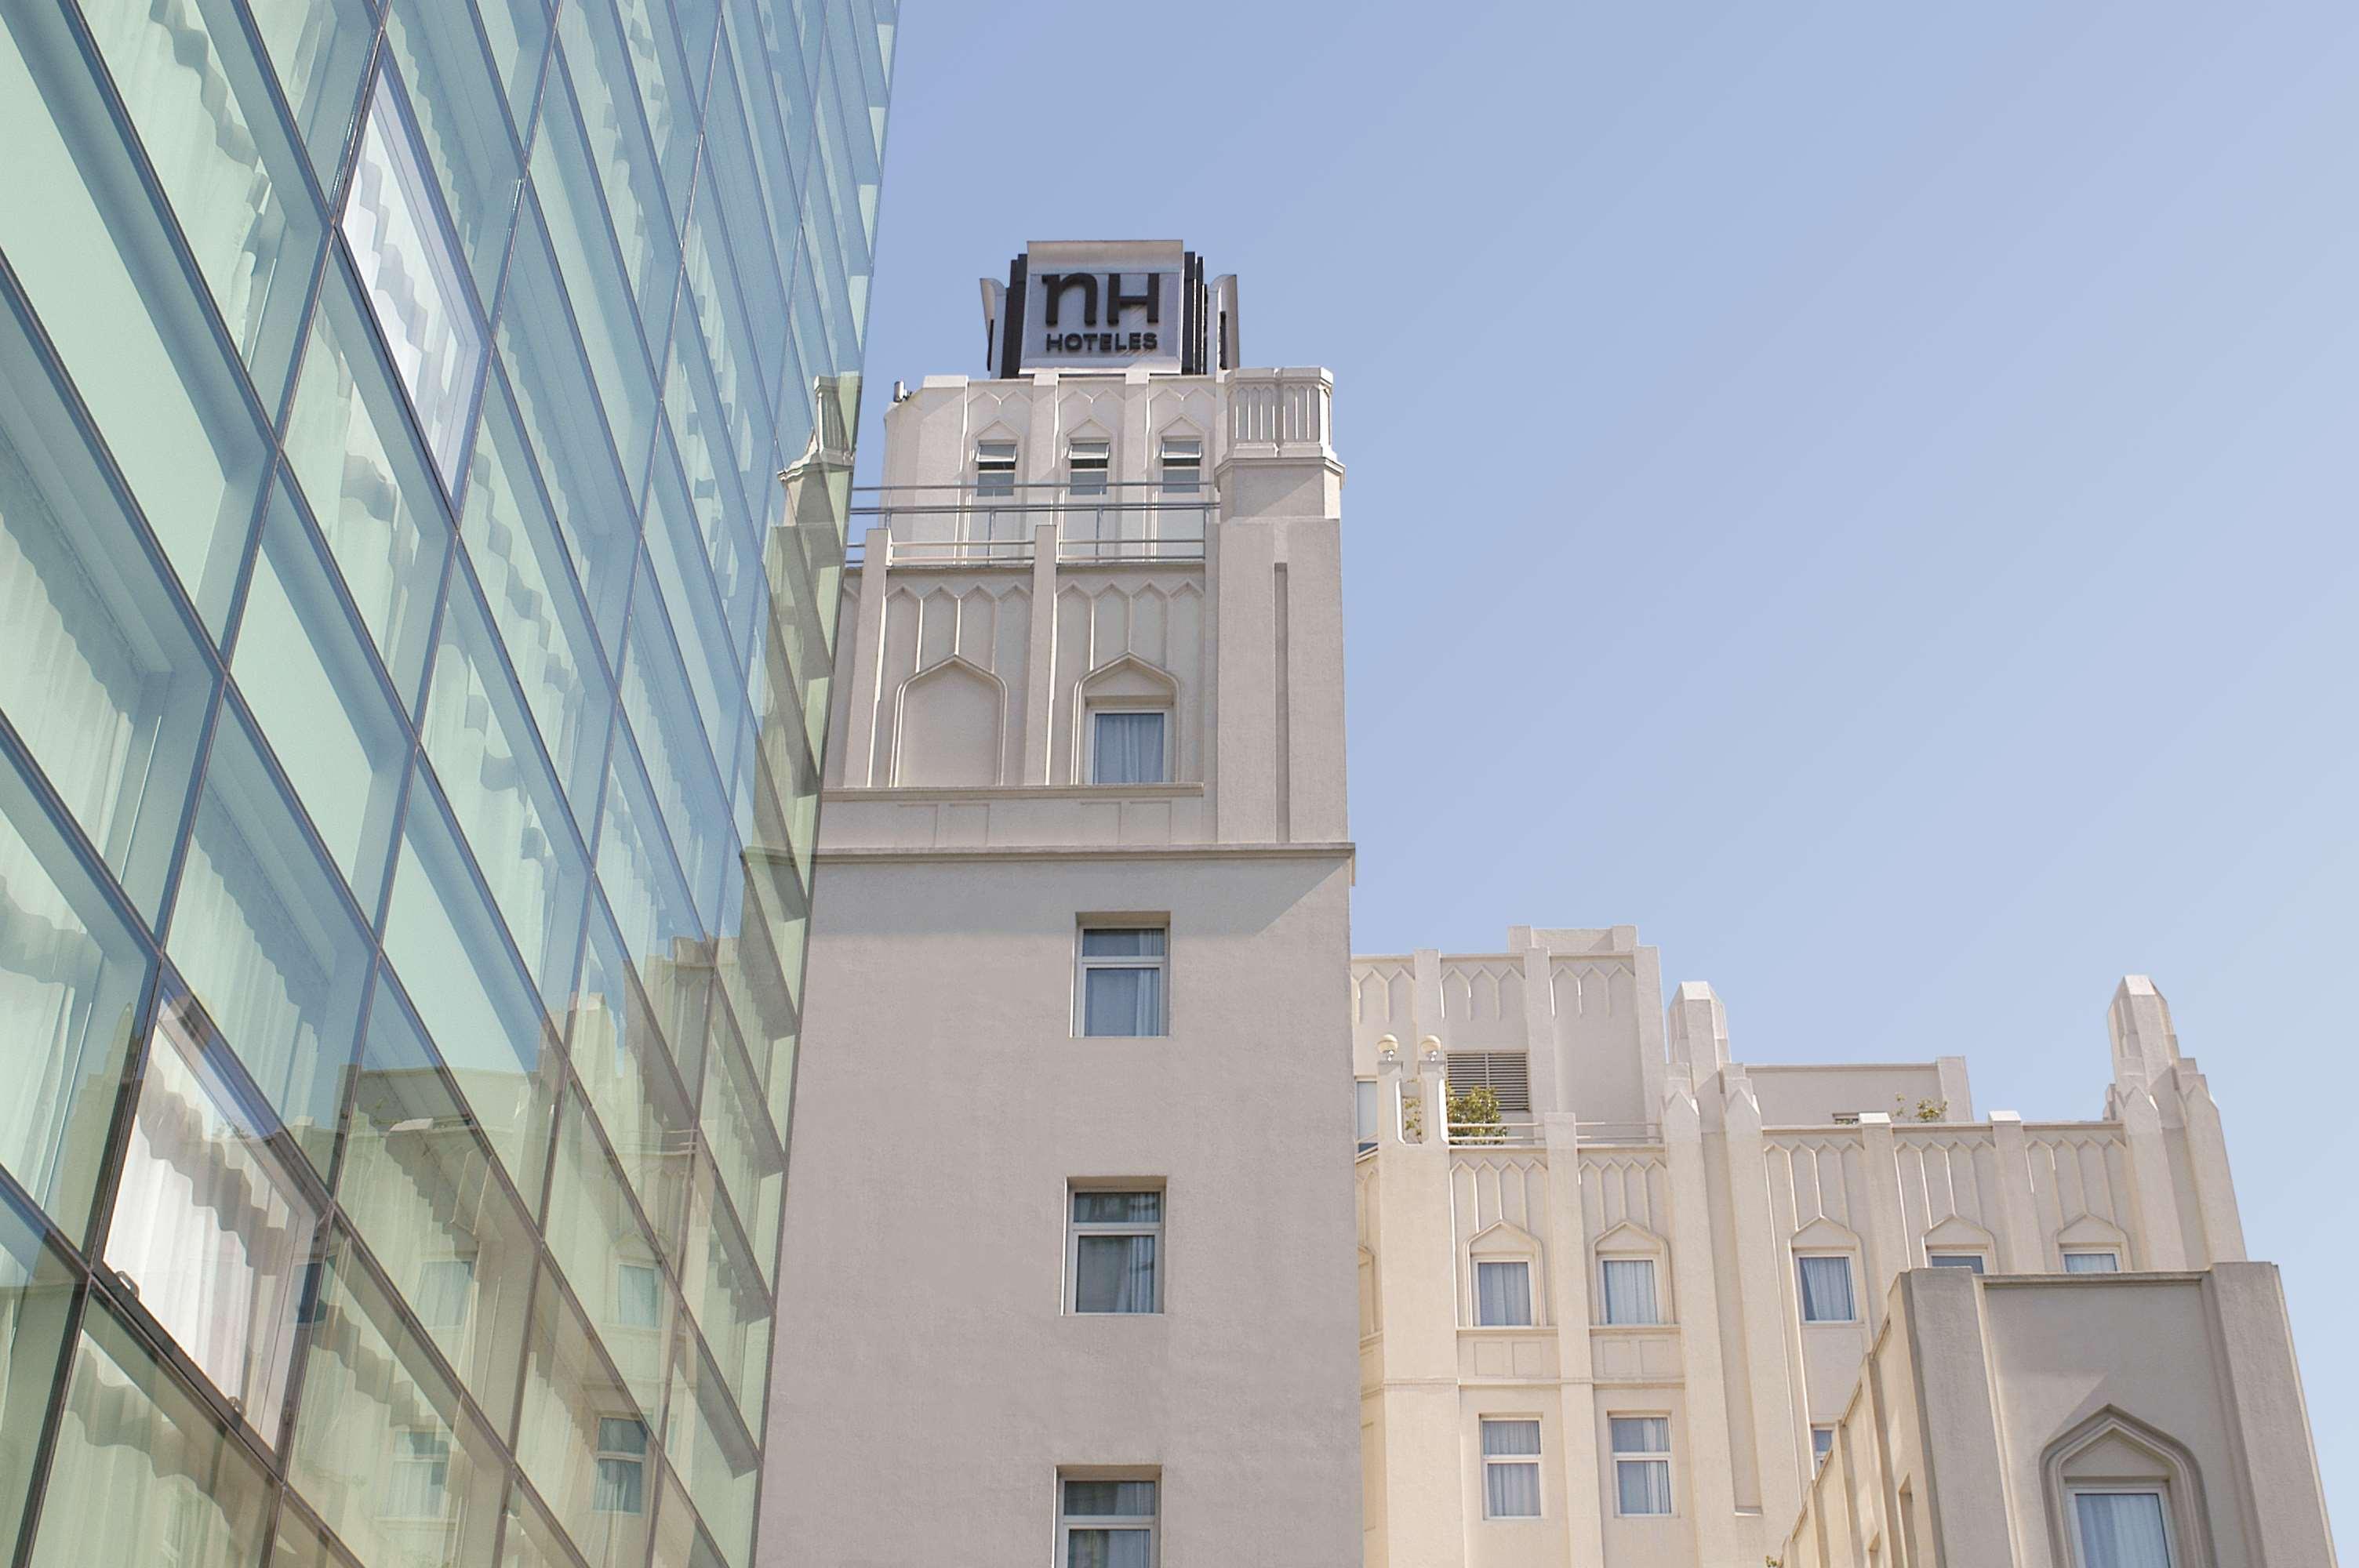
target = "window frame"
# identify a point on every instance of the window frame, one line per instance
(1820, 1451)
(1076, 1228)
(1605, 1294)
(1974, 1261)
(1621, 1456)
(1097, 462)
(1069, 1521)
(1130, 710)
(1084, 962)
(1190, 463)
(1531, 1312)
(1535, 1460)
(2159, 1492)
(604, 1455)
(2067, 1254)
(1802, 1294)
(996, 461)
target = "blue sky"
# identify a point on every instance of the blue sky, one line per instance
(1864, 492)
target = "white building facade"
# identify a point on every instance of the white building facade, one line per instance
(1078, 995)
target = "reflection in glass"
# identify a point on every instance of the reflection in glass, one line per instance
(210, 1222)
(70, 974)
(569, 1389)
(713, 1453)
(35, 1292)
(417, 1183)
(532, 1541)
(618, 1054)
(411, 278)
(604, 1251)
(142, 1473)
(383, 1449)
(456, 100)
(319, 47)
(262, 936)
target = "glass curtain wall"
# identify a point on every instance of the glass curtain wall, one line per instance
(425, 437)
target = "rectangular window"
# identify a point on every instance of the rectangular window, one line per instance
(445, 1286)
(994, 467)
(1826, 1289)
(2122, 1529)
(1113, 1251)
(1183, 465)
(1122, 980)
(420, 1482)
(1106, 1524)
(2092, 1261)
(1502, 1295)
(1128, 748)
(1086, 463)
(1972, 1260)
(1642, 1464)
(1364, 1112)
(622, 1465)
(1511, 1469)
(1506, 1074)
(638, 1295)
(1822, 1443)
(1630, 1291)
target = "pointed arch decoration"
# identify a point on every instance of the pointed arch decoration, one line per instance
(947, 725)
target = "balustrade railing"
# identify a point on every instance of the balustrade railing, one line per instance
(1106, 523)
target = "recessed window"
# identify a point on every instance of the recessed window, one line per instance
(1114, 1249)
(1105, 1523)
(622, 1465)
(1629, 1291)
(1822, 1443)
(1969, 1260)
(2092, 1260)
(1183, 465)
(1364, 1112)
(1085, 467)
(1511, 1469)
(1642, 1464)
(1506, 1074)
(410, 270)
(1502, 1295)
(1128, 748)
(994, 467)
(1825, 1279)
(2122, 1529)
(1123, 970)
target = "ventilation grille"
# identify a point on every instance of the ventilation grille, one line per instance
(1504, 1072)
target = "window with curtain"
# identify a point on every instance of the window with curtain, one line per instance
(1969, 1260)
(1629, 1291)
(1826, 1288)
(622, 1465)
(1502, 1295)
(1113, 1248)
(638, 1295)
(1128, 748)
(419, 1485)
(1511, 1469)
(1105, 1523)
(445, 1286)
(1122, 980)
(1642, 1464)
(2092, 1261)
(2122, 1529)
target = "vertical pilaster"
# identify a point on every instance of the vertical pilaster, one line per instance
(1539, 1033)
(2161, 1243)
(859, 750)
(1417, 1277)
(1777, 1432)
(2021, 1248)
(1568, 1280)
(1694, 1290)
(1889, 1248)
(1040, 655)
(2207, 1163)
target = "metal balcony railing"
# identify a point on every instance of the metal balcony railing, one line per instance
(999, 523)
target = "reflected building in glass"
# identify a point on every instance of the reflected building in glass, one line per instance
(425, 439)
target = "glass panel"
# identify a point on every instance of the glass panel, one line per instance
(1643, 1486)
(319, 702)
(35, 1295)
(729, 161)
(626, 164)
(1502, 1295)
(702, 436)
(1127, 749)
(455, 97)
(569, 1389)
(518, 33)
(719, 315)
(676, 549)
(2092, 1262)
(262, 934)
(1641, 1434)
(712, 1452)
(1969, 1260)
(595, 1234)
(666, 92)
(415, 1182)
(592, 276)
(512, 543)
(1826, 1289)
(102, 679)
(142, 1474)
(551, 380)
(1117, 942)
(1118, 1208)
(350, 446)
(618, 1054)
(300, 1544)
(101, 273)
(319, 47)
(746, 1152)
(661, 717)
(2122, 1529)
(1123, 1002)
(636, 867)
(484, 755)
(1109, 1548)
(190, 85)
(1110, 1500)
(731, 1300)
(412, 281)
(210, 1222)
(458, 972)
(1114, 1273)
(71, 976)
(383, 1449)
(1630, 1291)
(532, 1541)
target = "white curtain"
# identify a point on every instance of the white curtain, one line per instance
(1826, 1290)
(1502, 1295)
(2122, 1529)
(1124, 1001)
(1643, 1486)
(1128, 749)
(1108, 1549)
(1630, 1291)
(2091, 1263)
(1114, 1273)
(1511, 1490)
